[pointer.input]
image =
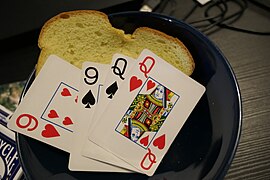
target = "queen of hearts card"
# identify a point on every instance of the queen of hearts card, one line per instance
(147, 112)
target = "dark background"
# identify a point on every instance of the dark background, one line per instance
(248, 54)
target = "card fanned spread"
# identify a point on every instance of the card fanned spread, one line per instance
(119, 117)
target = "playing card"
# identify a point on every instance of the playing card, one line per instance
(119, 68)
(92, 150)
(152, 106)
(91, 83)
(47, 112)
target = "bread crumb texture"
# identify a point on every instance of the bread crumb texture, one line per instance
(87, 35)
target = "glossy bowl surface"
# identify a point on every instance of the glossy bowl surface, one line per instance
(206, 144)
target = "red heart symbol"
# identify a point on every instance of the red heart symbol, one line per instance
(150, 84)
(65, 92)
(134, 83)
(53, 114)
(49, 131)
(67, 121)
(160, 142)
(144, 141)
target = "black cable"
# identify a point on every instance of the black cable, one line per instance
(237, 14)
(207, 19)
(244, 30)
(190, 12)
(221, 19)
(223, 8)
(243, 5)
(162, 6)
(208, 23)
(174, 3)
(261, 4)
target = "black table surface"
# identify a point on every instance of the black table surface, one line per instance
(249, 56)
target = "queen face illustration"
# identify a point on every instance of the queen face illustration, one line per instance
(147, 113)
(159, 92)
(135, 134)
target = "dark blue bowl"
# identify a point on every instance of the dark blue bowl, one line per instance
(205, 146)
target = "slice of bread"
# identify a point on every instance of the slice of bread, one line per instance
(87, 35)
